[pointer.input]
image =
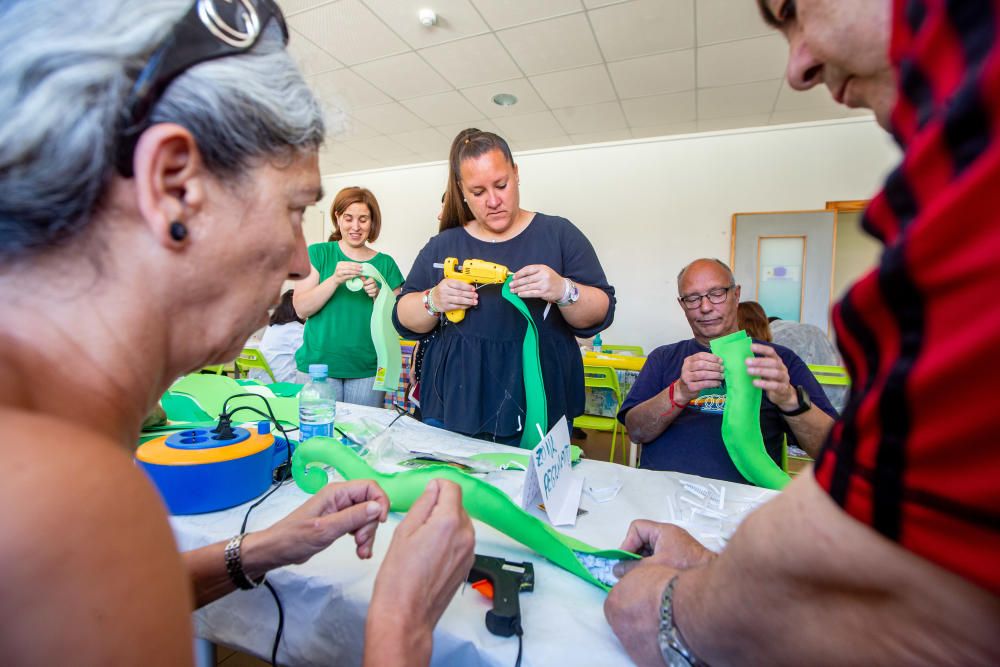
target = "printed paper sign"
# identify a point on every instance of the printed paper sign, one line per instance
(549, 479)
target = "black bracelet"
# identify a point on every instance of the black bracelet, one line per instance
(234, 565)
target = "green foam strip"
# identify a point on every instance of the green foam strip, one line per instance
(211, 391)
(481, 500)
(534, 385)
(384, 335)
(741, 416)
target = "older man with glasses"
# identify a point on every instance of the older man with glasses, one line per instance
(675, 407)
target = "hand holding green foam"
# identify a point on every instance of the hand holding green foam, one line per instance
(481, 500)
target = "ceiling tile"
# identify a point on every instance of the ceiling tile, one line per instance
(346, 90)
(328, 165)
(456, 19)
(745, 99)
(652, 75)
(664, 130)
(472, 62)
(383, 149)
(600, 137)
(505, 13)
(805, 115)
(540, 143)
(552, 45)
(591, 119)
(289, 7)
(402, 76)
(716, 124)
(529, 126)
(725, 20)
(587, 85)
(345, 128)
(644, 27)
(427, 141)
(747, 60)
(310, 58)
(350, 159)
(443, 108)
(528, 100)
(451, 130)
(389, 118)
(349, 31)
(814, 98)
(593, 4)
(660, 109)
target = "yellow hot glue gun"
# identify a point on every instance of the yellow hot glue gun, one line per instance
(474, 272)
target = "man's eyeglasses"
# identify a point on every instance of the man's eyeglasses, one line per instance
(717, 295)
(210, 29)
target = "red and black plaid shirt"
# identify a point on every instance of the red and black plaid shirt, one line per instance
(917, 453)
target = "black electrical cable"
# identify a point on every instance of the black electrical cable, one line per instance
(227, 416)
(520, 645)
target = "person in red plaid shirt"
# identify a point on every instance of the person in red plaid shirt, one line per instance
(889, 551)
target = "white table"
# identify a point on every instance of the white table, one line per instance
(326, 599)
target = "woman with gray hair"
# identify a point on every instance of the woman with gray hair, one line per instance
(156, 158)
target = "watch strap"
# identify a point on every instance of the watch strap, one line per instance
(674, 649)
(804, 403)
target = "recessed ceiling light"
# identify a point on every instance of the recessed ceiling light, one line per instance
(504, 99)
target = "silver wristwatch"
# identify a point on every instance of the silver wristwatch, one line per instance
(571, 295)
(672, 646)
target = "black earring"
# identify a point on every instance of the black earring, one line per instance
(178, 231)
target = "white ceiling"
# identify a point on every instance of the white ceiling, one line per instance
(584, 71)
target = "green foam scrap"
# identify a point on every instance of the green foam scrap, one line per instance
(537, 416)
(481, 500)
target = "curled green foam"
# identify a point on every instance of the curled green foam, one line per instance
(741, 416)
(481, 500)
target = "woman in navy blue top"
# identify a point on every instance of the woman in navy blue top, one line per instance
(471, 380)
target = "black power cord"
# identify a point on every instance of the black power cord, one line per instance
(225, 421)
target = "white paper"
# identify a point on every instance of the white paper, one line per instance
(549, 478)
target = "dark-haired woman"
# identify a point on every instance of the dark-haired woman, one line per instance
(472, 380)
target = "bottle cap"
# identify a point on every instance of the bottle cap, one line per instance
(318, 370)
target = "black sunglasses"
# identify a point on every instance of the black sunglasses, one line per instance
(210, 29)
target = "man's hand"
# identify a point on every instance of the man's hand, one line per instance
(771, 375)
(702, 370)
(451, 294)
(663, 543)
(371, 287)
(430, 555)
(633, 605)
(355, 507)
(537, 281)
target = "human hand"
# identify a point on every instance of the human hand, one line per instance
(662, 543)
(701, 370)
(451, 294)
(771, 375)
(345, 271)
(429, 557)
(355, 507)
(633, 610)
(371, 287)
(537, 281)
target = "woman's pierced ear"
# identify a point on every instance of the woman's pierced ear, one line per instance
(178, 231)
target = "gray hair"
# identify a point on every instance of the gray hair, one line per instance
(67, 68)
(725, 267)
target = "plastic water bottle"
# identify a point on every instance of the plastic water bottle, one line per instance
(317, 405)
(597, 344)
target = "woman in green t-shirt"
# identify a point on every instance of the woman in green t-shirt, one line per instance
(338, 329)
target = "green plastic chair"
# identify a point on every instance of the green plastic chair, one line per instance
(634, 350)
(597, 377)
(217, 369)
(252, 358)
(830, 375)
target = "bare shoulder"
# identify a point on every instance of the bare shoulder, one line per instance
(86, 549)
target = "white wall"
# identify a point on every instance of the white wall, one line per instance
(650, 206)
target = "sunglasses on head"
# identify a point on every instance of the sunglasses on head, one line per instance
(210, 29)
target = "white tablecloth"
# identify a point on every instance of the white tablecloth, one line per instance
(326, 599)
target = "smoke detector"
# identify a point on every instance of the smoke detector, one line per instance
(427, 17)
